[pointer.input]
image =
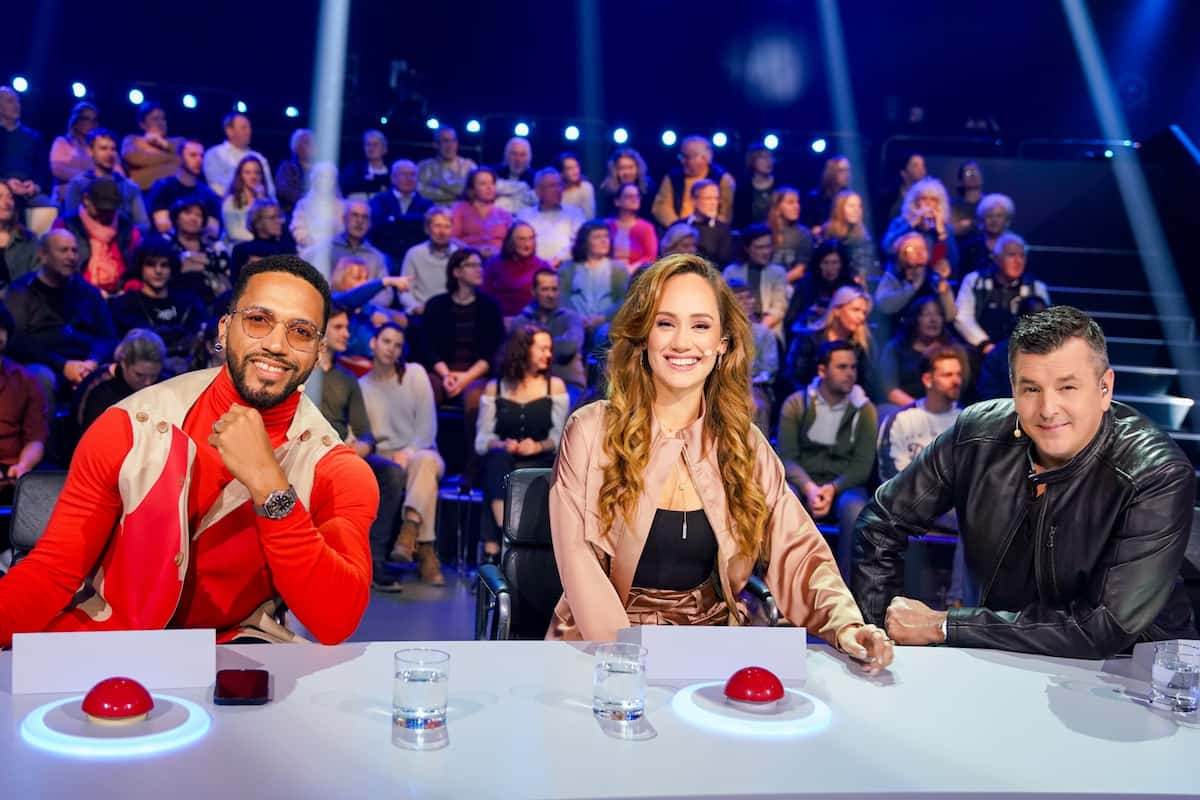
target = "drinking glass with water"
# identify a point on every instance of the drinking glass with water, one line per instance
(619, 682)
(1175, 677)
(419, 691)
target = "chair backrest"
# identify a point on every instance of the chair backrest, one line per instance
(528, 564)
(33, 501)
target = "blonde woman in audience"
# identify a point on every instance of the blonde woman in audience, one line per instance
(793, 240)
(845, 319)
(625, 166)
(926, 210)
(666, 498)
(845, 224)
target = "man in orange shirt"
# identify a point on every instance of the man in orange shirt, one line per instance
(212, 499)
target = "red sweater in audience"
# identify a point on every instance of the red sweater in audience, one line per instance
(510, 281)
(316, 558)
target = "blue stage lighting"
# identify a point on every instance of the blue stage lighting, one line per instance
(241, 107)
(432, 123)
(291, 112)
(669, 138)
(19, 84)
(136, 97)
(720, 139)
(521, 129)
(383, 120)
(620, 136)
(1108, 153)
(571, 134)
(473, 126)
(189, 101)
(770, 141)
(819, 145)
(79, 90)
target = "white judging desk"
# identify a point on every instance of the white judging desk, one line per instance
(958, 723)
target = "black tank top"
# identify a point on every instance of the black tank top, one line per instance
(518, 421)
(669, 561)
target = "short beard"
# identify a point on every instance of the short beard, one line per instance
(261, 400)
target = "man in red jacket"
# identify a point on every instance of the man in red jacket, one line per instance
(209, 500)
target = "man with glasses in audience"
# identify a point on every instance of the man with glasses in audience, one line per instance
(213, 499)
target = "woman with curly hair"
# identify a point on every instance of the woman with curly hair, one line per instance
(665, 497)
(926, 210)
(521, 416)
(626, 165)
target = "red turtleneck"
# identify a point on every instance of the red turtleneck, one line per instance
(317, 558)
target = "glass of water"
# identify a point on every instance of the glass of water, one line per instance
(419, 690)
(1175, 677)
(619, 682)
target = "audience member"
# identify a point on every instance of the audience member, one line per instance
(424, 264)
(578, 191)
(291, 179)
(187, 180)
(909, 276)
(676, 193)
(24, 414)
(593, 283)
(18, 248)
(680, 237)
(514, 176)
(247, 186)
(829, 271)
(912, 171)
(137, 363)
(174, 314)
(320, 214)
(625, 165)
(994, 216)
(565, 327)
(400, 405)
(767, 281)
(817, 206)
(63, 329)
(221, 162)
(264, 220)
(352, 241)
(24, 162)
(922, 326)
(903, 435)
(398, 213)
(554, 223)
(295, 534)
(105, 236)
(994, 380)
(443, 178)
(508, 276)
(203, 262)
(460, 331)
(967, 195)
(764, 366)
(793, 241)
(521, 417)
(989, 299)
(677, 425)
(69, 156)
(354, 289)
(827, 443)
(102, 147)
(633, 238)
(476, 220)
(716, 237)
(752, 199)
(845, 320)
(1087, 514)
(152, 155)
(846, 224)
(364, 179)
(926, 211)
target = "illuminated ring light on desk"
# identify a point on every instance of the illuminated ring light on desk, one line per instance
(703, 705)
(62, 728)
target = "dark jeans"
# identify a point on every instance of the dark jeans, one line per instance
(846, 508)
(496, 466)
(391, 479)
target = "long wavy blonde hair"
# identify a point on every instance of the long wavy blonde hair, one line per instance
(728, 405)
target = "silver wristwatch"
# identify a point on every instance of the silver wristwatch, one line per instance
(278, 504)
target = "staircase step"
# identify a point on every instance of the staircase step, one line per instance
(1146, 352)
(1164, 410)
(1134, 379)
(1144, 326)
(1097, 300)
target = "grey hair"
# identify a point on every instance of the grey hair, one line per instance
(696, 138)
(400, 162)
(508, 145)
(545, 172)
(1004, 239)
(256, 210)
(374, 134)
(991, 201)
(922, 188)
(140, 345)
(296, 136)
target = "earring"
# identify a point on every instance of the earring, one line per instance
(1017, 431)
(217, 346)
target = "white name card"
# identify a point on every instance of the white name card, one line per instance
(75, 662)
(712, 653)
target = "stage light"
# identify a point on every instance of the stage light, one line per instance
(136, 97)
(1128, 142)
(473, 126)
(432, 123)
(571, 134)
(620, 136)
(19, 84)
(819, 145)
(79, 90)
(241, 107)
(669, 138)
(383, 120)
(770, 141)
(720, 139)
(189, 101)
(521, 129)
(1108, 153)
(291, 112)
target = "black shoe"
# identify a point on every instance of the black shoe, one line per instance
(387, 584)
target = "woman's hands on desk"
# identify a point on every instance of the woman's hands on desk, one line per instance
(867, 644)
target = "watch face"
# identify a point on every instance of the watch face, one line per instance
(279, 504)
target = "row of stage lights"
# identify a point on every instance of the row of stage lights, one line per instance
(571, 133)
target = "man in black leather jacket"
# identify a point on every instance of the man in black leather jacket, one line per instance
(1075, 511)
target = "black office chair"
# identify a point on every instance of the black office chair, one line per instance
(33, 501)
(516, 600)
